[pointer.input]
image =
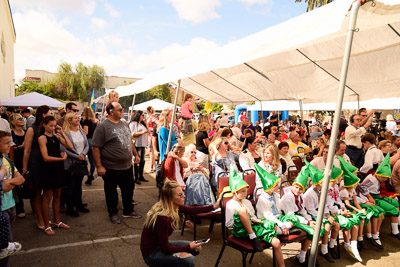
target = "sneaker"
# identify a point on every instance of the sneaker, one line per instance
(115, 219)
(256, 245)
(133, 215)
(12, 248)
(327, 257)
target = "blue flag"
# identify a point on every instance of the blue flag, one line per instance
(92, 104)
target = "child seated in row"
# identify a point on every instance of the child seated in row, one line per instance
(268, 209)
(389, 206)
(311, 204)
(240, 216)
(360, 195)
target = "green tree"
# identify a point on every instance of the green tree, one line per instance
(76, 83)
(311, 4)
(217, 108)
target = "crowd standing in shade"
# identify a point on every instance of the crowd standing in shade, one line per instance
(53, 151)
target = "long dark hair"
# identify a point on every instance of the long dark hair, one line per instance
(248, 141)
(45, 121)
(39, 114)
(136, 117)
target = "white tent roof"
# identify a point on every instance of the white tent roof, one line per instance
(279, 105)
(298, 59)
(31, 100)
(157, 104)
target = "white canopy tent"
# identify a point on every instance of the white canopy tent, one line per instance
(299, 59)
(280, 105)
(31, 100)
(157, 104)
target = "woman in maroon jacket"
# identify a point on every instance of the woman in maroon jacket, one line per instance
(174, 165)
(161, 221)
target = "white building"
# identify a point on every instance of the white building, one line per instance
(7, 40)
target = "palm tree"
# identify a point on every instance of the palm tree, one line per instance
(315, 3)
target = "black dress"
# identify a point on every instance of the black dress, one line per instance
(52, 172)
(18, 153)
(35, 159)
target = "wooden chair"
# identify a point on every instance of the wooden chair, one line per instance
(298, 162)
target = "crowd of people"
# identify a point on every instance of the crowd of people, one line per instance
(53, 151)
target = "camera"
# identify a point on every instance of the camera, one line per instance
(377, 124)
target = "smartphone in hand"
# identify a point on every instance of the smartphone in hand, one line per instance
(203, 241)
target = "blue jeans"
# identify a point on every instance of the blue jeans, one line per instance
(158, 258)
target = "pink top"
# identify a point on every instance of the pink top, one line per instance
(185, 109)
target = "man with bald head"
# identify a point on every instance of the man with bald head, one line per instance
(112, 152)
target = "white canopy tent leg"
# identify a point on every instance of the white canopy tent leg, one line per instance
(332, 145)
(173, 116)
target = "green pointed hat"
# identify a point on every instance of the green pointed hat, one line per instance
(316, 175)
(350, 167)
(302, 178)
(268, 180)
(235, 181)
(384, 169)
(336, 173)
(349, 178)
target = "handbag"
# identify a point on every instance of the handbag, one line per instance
(79, 168)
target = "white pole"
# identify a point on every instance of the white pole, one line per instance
(173, 117)
(332, 144)
(133, 105)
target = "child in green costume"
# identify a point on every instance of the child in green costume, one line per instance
(268, 208)
(240, 215)
(389, 206)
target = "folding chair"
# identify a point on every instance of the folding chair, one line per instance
(243, 245)
(249, 176)
(292, 173)
(213, 216)
(298, 162)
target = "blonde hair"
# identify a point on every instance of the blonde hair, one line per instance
(67, 121)
(13, 118)
(162, 121)
(150, 109)
(88, 114)
(165, 206)
(177, 148)
(384, 143)
(214, 146)
(322, 141)
(204, 126)
(112, 94)
(274, 151)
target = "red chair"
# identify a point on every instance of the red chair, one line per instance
(249, 176)
(292, 173)
(298, 162)
(243, 245)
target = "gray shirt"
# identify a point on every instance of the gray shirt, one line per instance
(114, 141)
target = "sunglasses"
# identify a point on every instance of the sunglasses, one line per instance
(120, 109)
(20, 119)
(181, 194)
(192, 152)
(226, 143)
(75, 110)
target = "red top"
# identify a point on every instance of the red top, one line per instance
(169, 169)
(157, 237)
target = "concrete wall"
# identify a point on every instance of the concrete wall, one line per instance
(7, 40)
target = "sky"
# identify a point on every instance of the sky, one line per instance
(133, 38)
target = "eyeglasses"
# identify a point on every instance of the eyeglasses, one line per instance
(181, 195)
(75, 110)
(20, 119)
(120, 109)
(192, 152)
(364, 115)
(325, 151)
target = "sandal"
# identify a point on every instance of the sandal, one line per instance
(60, 225)
(40, 227)
(49, 231)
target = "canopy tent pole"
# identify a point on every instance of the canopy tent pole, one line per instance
(262, 114)
(173, 117)
(332, 145)
(133, 105)
(301, 111)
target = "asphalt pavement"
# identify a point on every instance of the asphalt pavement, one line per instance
(93, 240)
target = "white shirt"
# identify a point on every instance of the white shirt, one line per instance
(320, 164)
(178, 175)
(246, 160)
(79, 141)
(391, 126)
(311, 201)
(289, 162)
(371, 185)
(233, 206)
(353, 136)
(288, 206)
(372, 156)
